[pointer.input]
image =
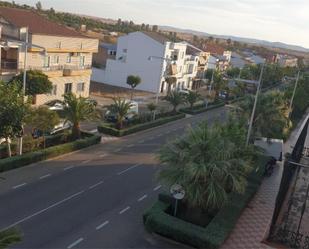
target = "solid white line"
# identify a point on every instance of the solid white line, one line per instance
(102, 225)
(142, 198)
(42, 177)
(95, 185)
(126, 170)
(75, 243)
(157, 188)
(43, 210)
(69, 167)
(124, 210)
(19, 186)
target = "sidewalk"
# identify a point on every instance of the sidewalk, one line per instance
(254, 222)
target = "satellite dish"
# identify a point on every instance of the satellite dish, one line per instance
(177, 192)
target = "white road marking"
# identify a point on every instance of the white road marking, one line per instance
(157, 188)
(168, 132)
(45, 176)
(130, 145)
(159, 135)
(86, 161)
(75, 243)
(69, 167)
(103, 155)
(95, 185)
(142, 198)
(141, 141)
(19, 186)
(124, 210)
(118, 150)
(43, 210)
(102, 225)
(126, 170)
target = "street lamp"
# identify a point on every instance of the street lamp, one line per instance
(26, 44)
(293, 95)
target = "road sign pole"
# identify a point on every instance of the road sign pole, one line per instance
(176, 206)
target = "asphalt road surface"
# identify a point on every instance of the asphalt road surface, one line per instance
(92, 198)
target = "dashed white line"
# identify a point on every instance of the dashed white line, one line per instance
(124, 210)
(142, 198)
(86, 161)
(118, 150)
(102, 225)
(130, 145)
(45, 176)
(126, 170)
(75, 243)
(97, 184)
(69, 167)
(157, 188)
(141, 141)
(43, 210)
(103, 155)
(19, 186)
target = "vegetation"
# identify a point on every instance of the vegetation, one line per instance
(152, 108)
(36, 82)
(197, 109)
(120, 108)
(209, 163)
(133, 81)
(175, 98)
(9, 237)
(13, 110)
(170, 82)
(192, 97)
(78, 109)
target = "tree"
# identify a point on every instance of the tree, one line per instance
(271, 116)
(76, 110)
(233, 72)
(209, 163)
(36, 83)
(152, 107)
(13, 110)
(192, 98)
(9, 237)
(43, 119)
(175, 98)
(133, 81)
(38, 6)
(120, 108)
(170, 81)
(155, 28)
(229, 41)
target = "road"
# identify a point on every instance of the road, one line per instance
(92, 198)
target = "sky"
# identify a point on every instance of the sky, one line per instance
(273, 20)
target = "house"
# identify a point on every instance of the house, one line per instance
(63, 54)
(286, 60)
(221, 57)
(154, 58)
(106, 51)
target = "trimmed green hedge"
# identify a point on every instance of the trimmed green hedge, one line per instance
(157, 220)
(201, 108)
(107, 129)
(40, 155)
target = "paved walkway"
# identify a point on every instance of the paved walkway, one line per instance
(254, 222)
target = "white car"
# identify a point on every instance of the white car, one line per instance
(3, 140)
(61, 127)
(184, 91)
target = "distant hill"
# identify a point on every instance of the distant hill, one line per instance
(239, 39)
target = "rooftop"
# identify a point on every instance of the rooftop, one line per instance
(157, 37)
(36, 23)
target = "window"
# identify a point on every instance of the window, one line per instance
(82, 61)
(69, 58)
(68, 88)
(54, 90)
(175, 57)
(46, 61)
(80, 87)
(56, 59)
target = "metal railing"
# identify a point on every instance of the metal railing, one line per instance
(10, 65)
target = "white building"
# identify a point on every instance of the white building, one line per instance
(153, 58)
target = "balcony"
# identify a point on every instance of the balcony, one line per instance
(77, 70)
(9, 66)
(51, 71)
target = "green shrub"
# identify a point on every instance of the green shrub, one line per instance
(33, 157)
(201, 108)
(157, 220)
(106, 128)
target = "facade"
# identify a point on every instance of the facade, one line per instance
(64, 55)
(286, 61)
(106, 51)
(153, 58)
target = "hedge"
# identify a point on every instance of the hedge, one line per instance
(200, 108)
(40, 155)
(157, 220)
(107, 129)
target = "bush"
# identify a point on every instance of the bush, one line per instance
(201, 108)
(157, 220)
(107, 128)
(40, 155)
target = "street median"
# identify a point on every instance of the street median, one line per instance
(201, 108)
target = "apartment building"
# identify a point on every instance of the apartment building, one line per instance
(286, 60)
(153, 58)
(63, 54)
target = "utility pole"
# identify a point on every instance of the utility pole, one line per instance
(254, 106)
(294, 91)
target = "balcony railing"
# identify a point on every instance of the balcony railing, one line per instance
(9, 64)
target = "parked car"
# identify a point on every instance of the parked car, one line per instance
(111, 117)
(184, 91)
(55, 105)
(3, 140)
(62, 126)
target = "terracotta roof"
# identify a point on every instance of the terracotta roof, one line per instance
(213, 49)
(36, 23)
(157, 37)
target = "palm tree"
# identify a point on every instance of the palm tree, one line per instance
(272, 114)
(78, 109)
(120, 108)
(175, 98)
(209, 163)
(8, 237)
(192, 98)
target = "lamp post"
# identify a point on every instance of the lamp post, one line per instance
(293, 95)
